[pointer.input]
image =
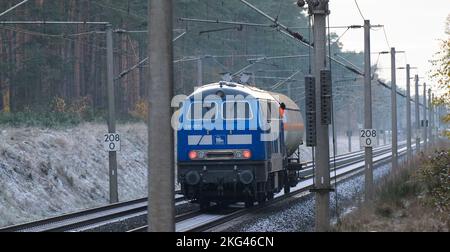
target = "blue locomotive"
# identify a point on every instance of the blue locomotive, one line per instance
(235, 143)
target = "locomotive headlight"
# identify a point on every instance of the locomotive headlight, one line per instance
(242, 154)
(247, 154)
(193, 155)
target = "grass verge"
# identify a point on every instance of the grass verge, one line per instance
(415, 198)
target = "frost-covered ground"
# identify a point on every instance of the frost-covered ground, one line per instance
(44, 172)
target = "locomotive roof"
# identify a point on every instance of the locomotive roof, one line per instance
(231, 88)
(234, 88)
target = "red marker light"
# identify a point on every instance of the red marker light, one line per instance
(193, 155)
(247, 154)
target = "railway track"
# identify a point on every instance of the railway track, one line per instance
(91, 217)
(96, 217)
(346, 166)
(206, 222)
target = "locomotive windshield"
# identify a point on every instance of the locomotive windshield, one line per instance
(231, 110)
(236, 110)
(202, 111)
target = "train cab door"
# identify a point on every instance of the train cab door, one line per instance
(276, 157)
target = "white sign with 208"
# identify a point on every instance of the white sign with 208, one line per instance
(111, 142)
(368, 137)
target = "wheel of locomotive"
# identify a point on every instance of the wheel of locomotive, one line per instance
(270, 195)
(204, 204)
(262, 199)
(249, 203)
(222, 204)
(287, 188)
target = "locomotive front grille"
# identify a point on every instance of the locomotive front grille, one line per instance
(220, 155)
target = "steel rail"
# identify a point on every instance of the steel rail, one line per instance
(87, 217)
(239, 213)
(128, 209)
(346, 160)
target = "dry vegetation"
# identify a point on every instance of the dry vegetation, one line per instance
(416, 198)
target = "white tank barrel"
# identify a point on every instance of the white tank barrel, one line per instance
(294, 126)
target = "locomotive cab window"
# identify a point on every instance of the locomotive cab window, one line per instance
(199, 111)
(237, 110)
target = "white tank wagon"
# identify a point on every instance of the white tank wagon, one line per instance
(294, 126)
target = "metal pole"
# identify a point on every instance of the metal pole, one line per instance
(394, 111)
(368, 167)
(113, 187)
(425, 137)
(349, 135)
(408, 113)
(322, 152)
(433, 118)
(438, 121)
(200, 72)
(161, 208)
(430, 120)
(349, 127)
(416, 79)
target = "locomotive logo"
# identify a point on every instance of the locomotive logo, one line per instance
(219, 140)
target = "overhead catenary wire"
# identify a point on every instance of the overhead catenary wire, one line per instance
(386, 37)
(286, 80)
(286, 32)
(13, 7)
(140, 63)
(284, 28)
(359, 9)
(342, 35)
(118, 10)
(63, 37)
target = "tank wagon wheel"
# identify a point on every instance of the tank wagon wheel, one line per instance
(287, 185)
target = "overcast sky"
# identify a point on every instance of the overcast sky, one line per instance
(411, 25)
